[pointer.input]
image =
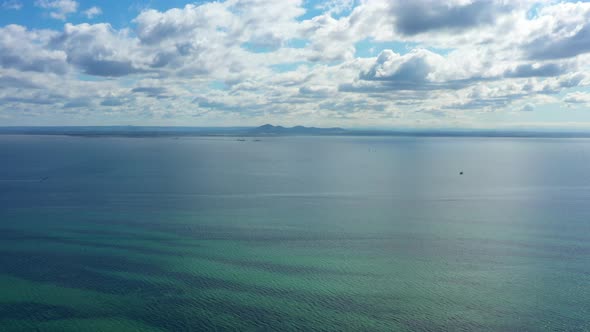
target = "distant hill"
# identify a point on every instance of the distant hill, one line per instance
(268, 129)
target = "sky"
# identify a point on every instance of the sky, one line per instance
(347, 63)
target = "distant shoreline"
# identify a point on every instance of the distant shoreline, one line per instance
(275, 131)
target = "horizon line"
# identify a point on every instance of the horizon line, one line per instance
(360, 128)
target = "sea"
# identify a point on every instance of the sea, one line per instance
(294, 234)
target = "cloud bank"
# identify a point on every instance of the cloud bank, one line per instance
(458, 63)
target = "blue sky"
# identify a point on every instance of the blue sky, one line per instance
(349, 63)
(118, 13)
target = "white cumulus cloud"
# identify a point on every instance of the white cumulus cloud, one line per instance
(92, 12)
(59, 9)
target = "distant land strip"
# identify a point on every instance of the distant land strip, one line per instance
(268, 130)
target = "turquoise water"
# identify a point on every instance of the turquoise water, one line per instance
(294, 233)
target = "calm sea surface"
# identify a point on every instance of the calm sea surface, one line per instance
(294, 233)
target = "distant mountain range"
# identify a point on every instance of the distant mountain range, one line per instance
(268, 129)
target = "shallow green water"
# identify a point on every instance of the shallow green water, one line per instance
(334, 233)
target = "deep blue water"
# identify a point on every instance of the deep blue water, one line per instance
(294, 233)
